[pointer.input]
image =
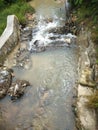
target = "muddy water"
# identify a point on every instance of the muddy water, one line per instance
(46, 105)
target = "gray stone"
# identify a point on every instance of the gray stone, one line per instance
(5, 81)
(86, 78)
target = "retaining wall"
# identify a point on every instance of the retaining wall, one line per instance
(86, 117)
(10, 37)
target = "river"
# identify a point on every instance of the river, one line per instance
(47, 103)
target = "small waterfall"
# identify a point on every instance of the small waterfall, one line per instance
(47, 32)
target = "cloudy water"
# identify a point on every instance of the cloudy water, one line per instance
(47, 103)
(49, 8)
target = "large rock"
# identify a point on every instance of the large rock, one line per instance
(86, 116)
(17, 89)
(5, 80)
(87, 77)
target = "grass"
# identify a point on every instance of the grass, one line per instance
(19, 9)
(90, 21)
(85, 15)
(93, 100)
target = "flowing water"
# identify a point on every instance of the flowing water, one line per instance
(46, 105)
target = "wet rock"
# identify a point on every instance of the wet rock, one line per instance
(37, 46)
(22, 59)
(26, 34)
(41, 49)
(48, 20)
(57, 30)
(5, 80)
(17, 89)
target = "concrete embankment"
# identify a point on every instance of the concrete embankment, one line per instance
(10, 37)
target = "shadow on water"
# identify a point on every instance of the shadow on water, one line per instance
(46, 105)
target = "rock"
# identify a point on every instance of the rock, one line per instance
(17, 89)
(37, 46)
(26, 34)
(23, 60)
(5, 80)
(48, 20)
(86, 116)
(86, 78)
(41, 49)
(57, 30)
(68, 40)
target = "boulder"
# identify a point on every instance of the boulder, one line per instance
(86, 78)
(37, 46)
(5, 80)
(17, 89)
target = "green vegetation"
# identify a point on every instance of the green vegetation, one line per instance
(18, 7)
(93, 100)
(87, 13)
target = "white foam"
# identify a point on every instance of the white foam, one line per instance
(43, 35)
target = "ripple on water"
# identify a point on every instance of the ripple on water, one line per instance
(48, 102)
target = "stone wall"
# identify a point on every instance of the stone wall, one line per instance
(86, 117)
(10, 37)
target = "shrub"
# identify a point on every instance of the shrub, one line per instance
(93, 100)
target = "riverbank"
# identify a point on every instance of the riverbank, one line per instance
(86, 106)
(86, 116)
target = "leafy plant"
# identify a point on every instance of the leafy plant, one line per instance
(78, 2)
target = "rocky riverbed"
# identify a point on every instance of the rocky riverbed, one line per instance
(10, 85)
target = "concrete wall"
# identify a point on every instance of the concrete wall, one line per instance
(10, 37)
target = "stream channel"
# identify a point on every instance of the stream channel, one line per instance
(47, 103)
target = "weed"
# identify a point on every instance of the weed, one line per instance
(19, 9)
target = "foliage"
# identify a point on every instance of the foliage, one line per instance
(92, 5)
(87, 12)
(93, 100)
(19, 9)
